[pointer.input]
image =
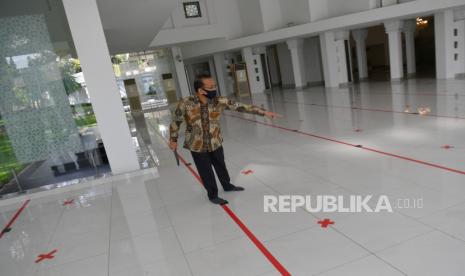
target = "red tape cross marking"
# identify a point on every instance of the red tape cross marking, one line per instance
(353, 145)
(49, 256)
(247, 172)
(8, 227)
(68, 202)
(324, 223)
(241, 225)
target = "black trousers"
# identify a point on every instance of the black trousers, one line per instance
(204, 161)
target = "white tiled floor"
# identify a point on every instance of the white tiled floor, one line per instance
(160, 223)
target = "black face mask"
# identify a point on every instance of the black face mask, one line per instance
(211, 94)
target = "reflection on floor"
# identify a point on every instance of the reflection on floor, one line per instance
(162, 224)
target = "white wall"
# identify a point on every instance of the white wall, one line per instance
(228, 13)
(341, 7)
(312, 55)
(271, 14)
(285, 65)
(459, 64)
(254, 70)
(296, 11)
(251, 17)
(318, 9)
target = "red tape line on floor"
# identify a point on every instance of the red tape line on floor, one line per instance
(243, 227)
(14, 218)
(353, 145)
(374, 110)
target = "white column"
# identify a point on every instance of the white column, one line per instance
(360, 37)
(89, 40)
(443, 35)
(393, 29)
(329, 59)
(296, 47)
(340, 38)
(219, 61)
(180, 69)
(409, 32)
(254, 70)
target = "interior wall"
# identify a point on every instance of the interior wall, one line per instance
(459, 51)
(251, 17)
(273, 66)
(272, 15)
(228, 12)
(195, 67)
(341, 7)
(425, 48)
(318, 9)
(377, 47)
(254, 70)
(298, 12)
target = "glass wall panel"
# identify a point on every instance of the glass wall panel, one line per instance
(48, 130)
(147, 86)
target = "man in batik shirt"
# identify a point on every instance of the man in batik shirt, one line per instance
(201, 113)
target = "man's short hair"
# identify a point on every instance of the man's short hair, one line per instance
(198, 82)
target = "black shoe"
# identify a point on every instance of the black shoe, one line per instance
(233, 188)
(218, 200)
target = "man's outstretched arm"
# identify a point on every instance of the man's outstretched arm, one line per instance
(247, 108)
(177, 120)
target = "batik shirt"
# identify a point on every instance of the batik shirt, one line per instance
(204, 135)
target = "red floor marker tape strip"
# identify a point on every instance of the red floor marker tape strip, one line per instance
(48, 256)
(257, 243)
(353, 145)
(243, 227)
(8, 227)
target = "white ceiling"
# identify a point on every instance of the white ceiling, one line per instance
(130, 25)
